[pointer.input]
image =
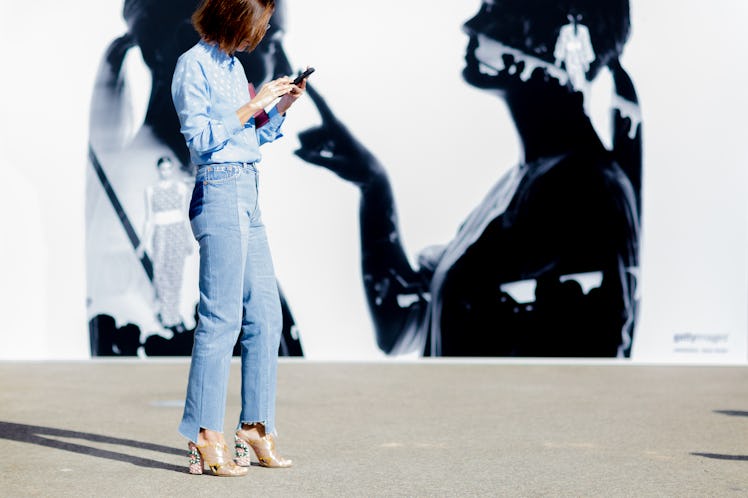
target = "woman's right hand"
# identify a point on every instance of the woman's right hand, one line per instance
(271, 91)
(332, 146)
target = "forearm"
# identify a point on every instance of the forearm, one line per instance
(205, 135)
(245, 112)
(393, 289)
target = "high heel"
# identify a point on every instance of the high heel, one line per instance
(217, 457)
(264, 449)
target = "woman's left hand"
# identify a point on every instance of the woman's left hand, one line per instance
(288, 99)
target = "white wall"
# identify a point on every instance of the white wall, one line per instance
(49, 52)
(689, 68)
(685, 59)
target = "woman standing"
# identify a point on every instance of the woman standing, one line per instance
(166, 235)
(224, 127)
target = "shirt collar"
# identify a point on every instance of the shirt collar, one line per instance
(221, 57)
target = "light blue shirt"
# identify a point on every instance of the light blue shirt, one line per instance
(208, 87)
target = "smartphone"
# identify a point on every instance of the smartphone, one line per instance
(303, 76)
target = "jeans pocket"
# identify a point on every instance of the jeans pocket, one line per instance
(216, 175)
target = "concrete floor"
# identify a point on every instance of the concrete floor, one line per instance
(388, 429)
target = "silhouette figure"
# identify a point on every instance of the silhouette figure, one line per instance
(564, 221)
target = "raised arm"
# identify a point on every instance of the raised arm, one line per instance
(394, 290)
(208, 130)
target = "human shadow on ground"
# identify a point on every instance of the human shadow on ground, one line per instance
(732, 413)
(42, 436)
(716, 456)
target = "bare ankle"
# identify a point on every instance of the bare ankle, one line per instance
(256, 430)
(206, 436)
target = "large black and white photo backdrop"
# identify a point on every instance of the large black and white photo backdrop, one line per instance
(544, 178)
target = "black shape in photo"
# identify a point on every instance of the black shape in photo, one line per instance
(563, 224)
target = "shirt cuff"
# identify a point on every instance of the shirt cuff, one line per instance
(276, 118)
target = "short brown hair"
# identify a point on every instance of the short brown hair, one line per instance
(230, 22)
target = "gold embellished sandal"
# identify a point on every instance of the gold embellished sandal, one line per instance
(263, 447)
(217, 457)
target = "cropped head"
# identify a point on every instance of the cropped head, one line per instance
(236, 25)
(165, 166)
(532, 29)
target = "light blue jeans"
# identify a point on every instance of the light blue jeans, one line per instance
(238, 293)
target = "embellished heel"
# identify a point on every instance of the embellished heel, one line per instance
(218, 459)
(196, 461)
(263, 448)
(242, 452)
